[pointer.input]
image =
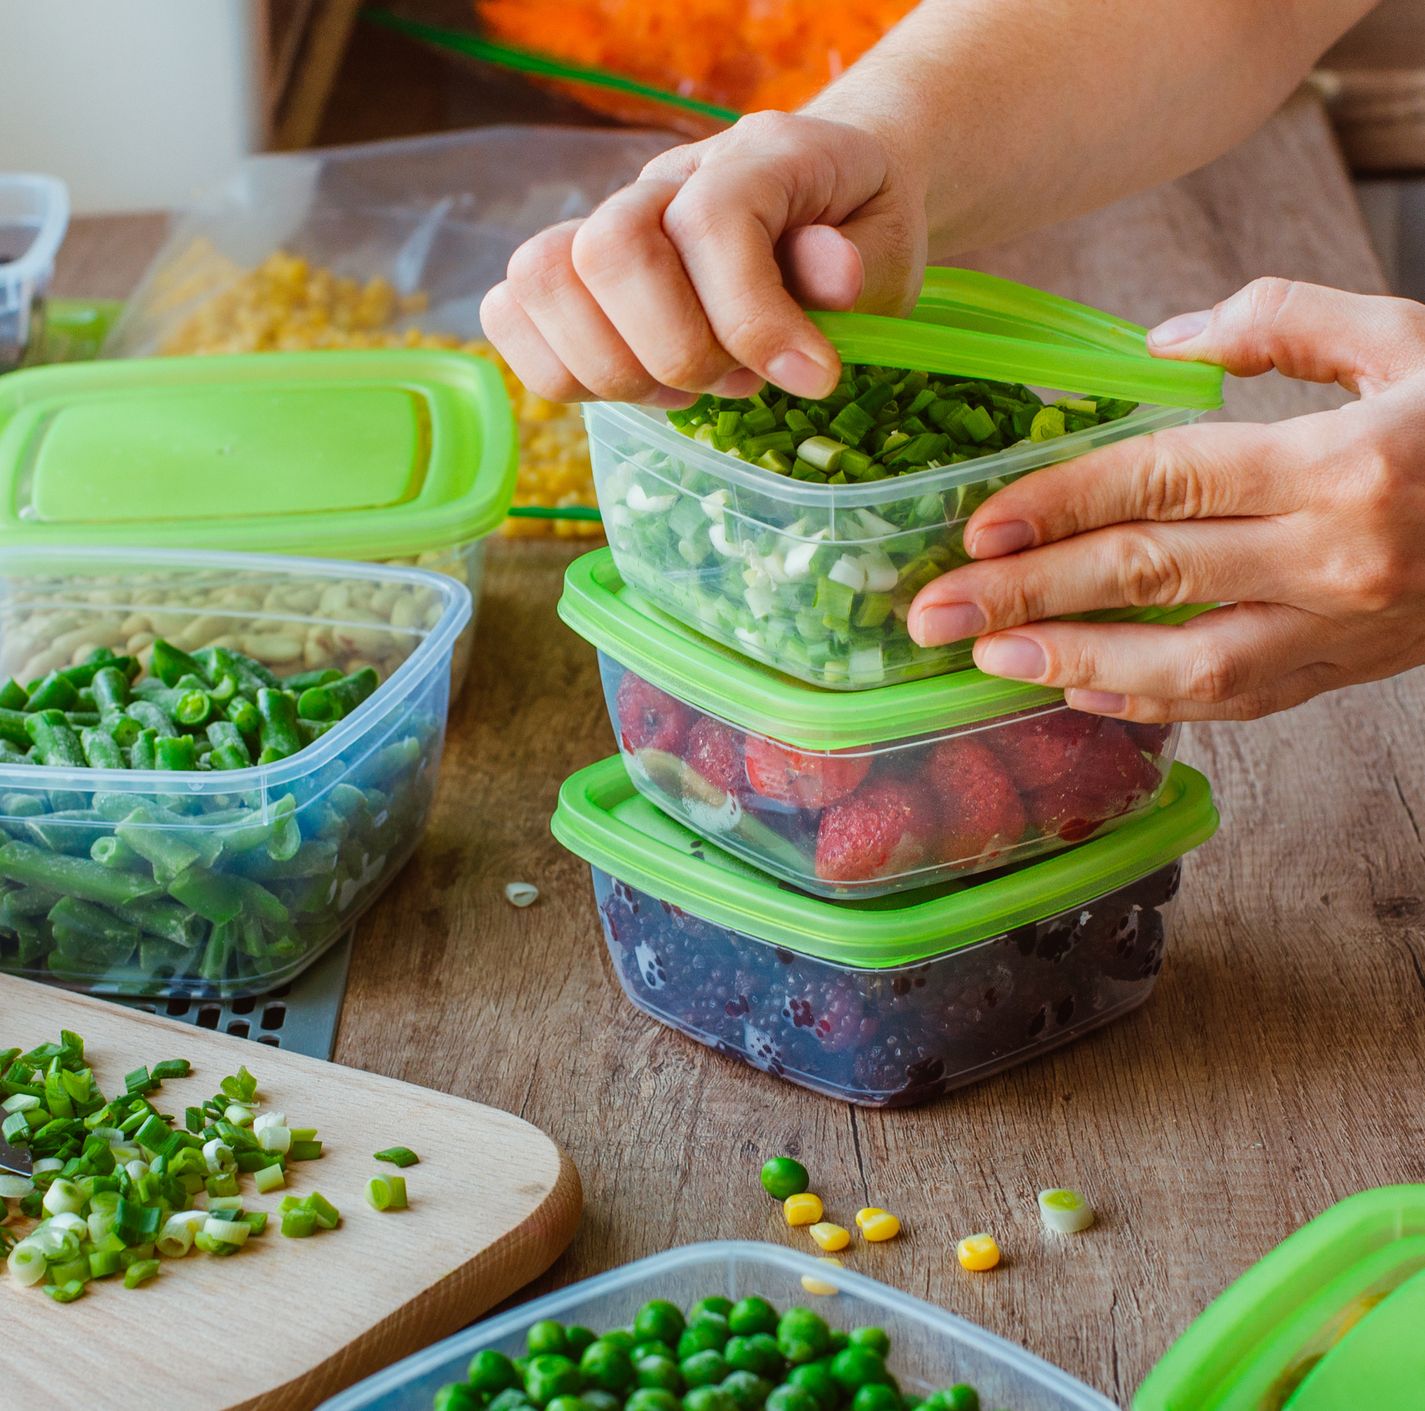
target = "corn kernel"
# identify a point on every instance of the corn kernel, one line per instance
(803, 1209)
(866, 1213)
(830, 1237)
(1065, 1212)
(812, 1284)
(978, 1252)
(878, 1225)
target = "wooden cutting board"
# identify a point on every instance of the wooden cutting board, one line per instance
(286, 1323)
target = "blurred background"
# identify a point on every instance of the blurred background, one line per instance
(159, 96)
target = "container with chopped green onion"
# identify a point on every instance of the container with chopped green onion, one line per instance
(798, 532)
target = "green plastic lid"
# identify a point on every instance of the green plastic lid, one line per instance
(976, 325)
(613, 617)
(1340, 1304)
(604, 820)
(338, 454)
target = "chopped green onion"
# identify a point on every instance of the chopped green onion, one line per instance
(398, 1156)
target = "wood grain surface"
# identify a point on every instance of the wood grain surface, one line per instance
(1277, 1068)
(289, 1322)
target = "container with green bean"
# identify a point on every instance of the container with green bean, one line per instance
(183, 819)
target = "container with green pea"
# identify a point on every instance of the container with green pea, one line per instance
(798, 533)
(182, 819)
(726, 1326)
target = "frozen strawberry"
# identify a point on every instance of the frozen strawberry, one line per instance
(980, 810)
(649, 718)
(1152, 738)
(715, 751)
(886, 828)
(799, 779)
(1042, 749)
(1111, 778)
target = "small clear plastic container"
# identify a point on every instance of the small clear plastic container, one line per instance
(34, 215)
(404, 456)
(221, 883)
(930, 1348)
(854, 794)
(817, 579)
(889, 1002)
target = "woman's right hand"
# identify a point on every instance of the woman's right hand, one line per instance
(693, 279)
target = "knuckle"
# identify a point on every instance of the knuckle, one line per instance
(1266, 297)
(540, 267)
(1148, 573)
(1070, 664)
(689, 368)
(610, 243)
(1212, 675)
(1173, 485)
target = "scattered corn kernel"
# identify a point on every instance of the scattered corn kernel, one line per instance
(1064, 1211)
(812, 1284)
(803, 1209)
(878, 1225)
(978, 1252)
(830, 1237)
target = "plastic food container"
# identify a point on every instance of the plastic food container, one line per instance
(34, 214)
(284, 856)
(929, 1347)
(887, 1002)
(817, 580)
(1330, 1320)
(854, 794)
(398, 457)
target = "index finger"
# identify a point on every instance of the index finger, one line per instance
(1217, 471)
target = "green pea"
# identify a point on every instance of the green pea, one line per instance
(707, 1399)
(659, 1372)
(746, 1390)
(876, 1397)
(546, 1336)
(607, 1366)
(521, 1365)
(757, 1353)
(659, 1320)
(651, 1348)
(715, 1304)
(789, 1398)
(579, 1338)
(704, 1369)
(960, 1397)
(619, 1337)
(708, 1330)
(752, 1315)
(781, 1177)
(455, 1397)
(513, 1399)
(652, 1399)
(597, 1399)
(855, 1367)
(816, 1378)
(491, 1372)
(839, 1338)
(877, 1339)
(802, 1336)
(566, 1403)
(551, 1375)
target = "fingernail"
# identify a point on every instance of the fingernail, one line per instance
(948, 622)
(742, 382)
(1181, 329)
(1019, 658)
(800, 375)
(996, 539)
(1096, 702)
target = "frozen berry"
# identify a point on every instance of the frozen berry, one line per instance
(885, 829)
(1039, 750)
(649, 718)
(980, 811)
(1151, 738)
(1112, 778)
(715, 751)
(802, 780)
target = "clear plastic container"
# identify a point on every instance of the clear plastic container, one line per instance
(34, 215)
(817, 579)
(854, 794)
(890, 1002)
(227, 883)
(929, 1347)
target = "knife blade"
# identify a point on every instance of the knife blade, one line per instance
(15, 1159)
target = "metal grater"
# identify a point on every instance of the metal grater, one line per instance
(301, 1016)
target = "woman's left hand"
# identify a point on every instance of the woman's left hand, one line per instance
(1312, 528)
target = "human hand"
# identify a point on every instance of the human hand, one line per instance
(693, 278)
(1313, 528)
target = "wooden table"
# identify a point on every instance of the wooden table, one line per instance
(1277, 1068)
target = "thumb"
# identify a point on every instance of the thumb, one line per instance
(870, 262)
(1306, 331)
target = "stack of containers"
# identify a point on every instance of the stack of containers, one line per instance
(135, 496)
(843, 858)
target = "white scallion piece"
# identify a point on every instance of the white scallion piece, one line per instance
(521, 894)
(14, 1187)
(27, 1263)
(1065, 1212)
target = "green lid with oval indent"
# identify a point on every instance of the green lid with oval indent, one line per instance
(342, 454)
